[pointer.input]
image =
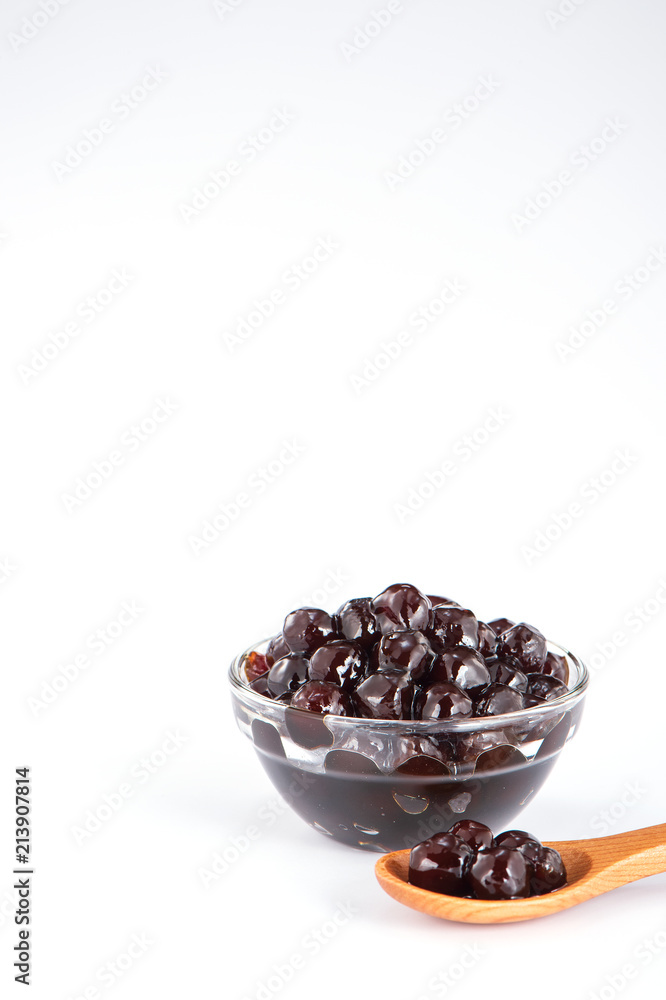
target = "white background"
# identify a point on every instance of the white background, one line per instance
(488, 536)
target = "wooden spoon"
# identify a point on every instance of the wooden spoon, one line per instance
(593, 867)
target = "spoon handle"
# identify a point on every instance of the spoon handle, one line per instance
(626, 857)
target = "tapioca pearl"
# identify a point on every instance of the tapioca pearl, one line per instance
(435, 600)
(357, 622)
(385, 695)
(306, 629)
(323, 698)
(555, 739)
(499, 625)
(276, 649)
(403, 749)
(287, 674)
(424, 766)
(462, 666)
(532, 700)
(500, 873)
(467, 747)
(441, 864)
(503, 757)
(267, 738)
(498, 699)
(260, 685)
(545, 686)
(452, 626)
(507, 672)
(556, 666)
(519, 840)
(487, 640)
(338, 662)
(349, 762)
(400, 606)
(308, 729)
(549, 872)
(442, 700)
(477, 835)
(409, 651)
(254, 665)
(525, 644)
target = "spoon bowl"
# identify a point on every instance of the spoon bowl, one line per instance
(593, 867)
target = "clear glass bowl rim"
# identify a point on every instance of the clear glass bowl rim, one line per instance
(484, 722)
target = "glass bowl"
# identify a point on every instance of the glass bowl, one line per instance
(384, 785)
